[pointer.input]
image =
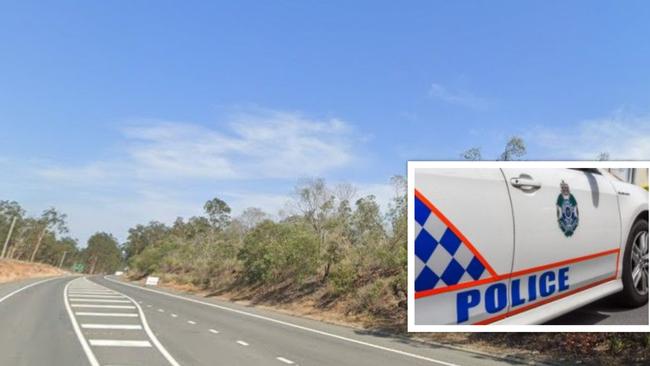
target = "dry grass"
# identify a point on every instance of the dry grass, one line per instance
(12, 270)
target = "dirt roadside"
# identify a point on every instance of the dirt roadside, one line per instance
(13, 270)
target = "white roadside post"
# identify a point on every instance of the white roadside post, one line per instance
(11, 229)
(152, 281)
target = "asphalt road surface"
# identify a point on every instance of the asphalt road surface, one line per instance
(100, 321)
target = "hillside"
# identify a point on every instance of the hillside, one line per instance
(12, 270)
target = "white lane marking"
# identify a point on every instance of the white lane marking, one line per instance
(112, 326)
(213, 331)
(103, 306)
(296, 326)
(117, 343)
(174, 316)
(26, 287)
(148, 306)
(242, 343)
(152, 336)
(161, 310)
(101, 300)
(191, 322)
(287, 361)
(89, 353)
(97, 296)
(78, 292)
(125, 315)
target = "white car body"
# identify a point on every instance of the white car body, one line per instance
(515, 261)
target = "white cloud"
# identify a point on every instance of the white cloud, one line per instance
(160, 170)
(456, 96)
(623, 136)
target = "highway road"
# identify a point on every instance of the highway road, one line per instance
(102, 321)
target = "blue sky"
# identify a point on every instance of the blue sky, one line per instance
(126, 111)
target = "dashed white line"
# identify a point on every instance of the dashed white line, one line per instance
(112, 326)
(161, 310)
(214, 331)
(148, 306)
(174, 316)
(191, 322)
(126, 315)
(242, 343)
(288, 324)
(287, 361)
(117, 343)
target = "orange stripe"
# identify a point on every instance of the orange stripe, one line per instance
(455, 230)
(460, 286)
(542, 302)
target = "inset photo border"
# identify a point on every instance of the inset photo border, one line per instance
(510, 246)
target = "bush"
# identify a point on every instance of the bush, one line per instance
(273, 252)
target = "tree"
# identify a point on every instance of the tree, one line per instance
(49, 219)
(218, 213)
(102, 254)
(471, 154)
(142, 236)
(515, 148)
(603, 156)
(251, 217)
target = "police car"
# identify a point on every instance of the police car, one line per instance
(522, 246)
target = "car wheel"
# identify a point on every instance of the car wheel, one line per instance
(635, 266)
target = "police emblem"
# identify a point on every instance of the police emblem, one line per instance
(567, 210)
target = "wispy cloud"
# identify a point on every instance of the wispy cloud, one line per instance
(256, 145)
(456, 96)
(623, 136)
(160, 169)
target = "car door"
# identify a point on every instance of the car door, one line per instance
(462, 240)
(567, 233)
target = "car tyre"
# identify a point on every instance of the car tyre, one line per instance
(635, 266)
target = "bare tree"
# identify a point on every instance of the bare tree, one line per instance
(603, 156)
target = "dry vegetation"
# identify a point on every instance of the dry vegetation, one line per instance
(330, 260)
(12, 270)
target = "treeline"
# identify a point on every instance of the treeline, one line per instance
(44, 239)
(330, 240)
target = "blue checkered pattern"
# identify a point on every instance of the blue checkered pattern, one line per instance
(441, 258)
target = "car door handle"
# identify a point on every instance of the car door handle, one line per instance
(525, 183)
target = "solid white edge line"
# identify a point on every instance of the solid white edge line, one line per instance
(152, 336)
(26, 287)
(316, 331)
(89, 353)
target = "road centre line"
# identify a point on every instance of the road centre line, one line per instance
(125, 315)
(242, 343)
(191, 322)
(117, 343)
(112, 326)
(292, 325)
(213, 331)
(174, 316)
(26, 287)
(287, 361)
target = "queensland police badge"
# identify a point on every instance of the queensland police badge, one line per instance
(567, 210)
